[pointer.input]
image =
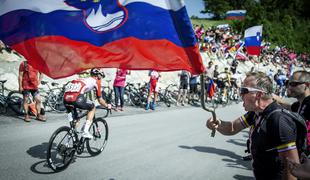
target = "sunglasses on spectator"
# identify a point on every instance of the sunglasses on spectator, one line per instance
(295, 83)
(246, 90)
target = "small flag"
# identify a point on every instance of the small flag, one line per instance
(235, 15)
(253, 40)
(211, 88)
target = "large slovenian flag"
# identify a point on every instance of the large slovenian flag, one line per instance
(253, 40)
(235, 15)
(63, 37)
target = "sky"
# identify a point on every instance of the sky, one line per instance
(194, 7)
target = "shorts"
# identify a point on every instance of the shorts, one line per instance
(80, 103)
(222, 84)
(183, 85)
(193, 88)
(32, 92)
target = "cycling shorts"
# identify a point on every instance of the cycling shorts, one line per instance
(80, 103)
(222, 84)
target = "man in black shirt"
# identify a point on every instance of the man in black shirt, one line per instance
(272, 139)
(299, 88)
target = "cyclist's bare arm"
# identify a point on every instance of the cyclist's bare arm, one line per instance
(225, 127)
(102, 102)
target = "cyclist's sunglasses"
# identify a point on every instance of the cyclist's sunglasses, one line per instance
(246, 90)
(295, 83)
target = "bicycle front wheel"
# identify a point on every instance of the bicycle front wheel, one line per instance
(100, 131)
(60, 150)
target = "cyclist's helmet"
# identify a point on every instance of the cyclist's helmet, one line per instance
(97, 72)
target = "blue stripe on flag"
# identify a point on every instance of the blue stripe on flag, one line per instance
(144, 22)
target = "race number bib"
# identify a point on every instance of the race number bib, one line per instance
(73, 87)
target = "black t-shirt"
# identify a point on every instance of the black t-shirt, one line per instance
(184, 77)
(304, 109)
(268, 137)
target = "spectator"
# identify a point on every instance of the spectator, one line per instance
(153, 88)
(119, 86)
(234, 66)
(28, 80)
(272, 140)
(299, 88)
(193, 90)
(184, 80)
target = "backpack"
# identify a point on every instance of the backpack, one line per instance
(301, 140)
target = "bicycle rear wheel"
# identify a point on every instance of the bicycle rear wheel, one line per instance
(100, 131)
(60, 150)
(15, 102)
(2, 108)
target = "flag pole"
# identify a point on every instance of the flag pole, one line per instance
(203, 98)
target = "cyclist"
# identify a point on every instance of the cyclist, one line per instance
(280, 79)
(75, 96)
(224, 82)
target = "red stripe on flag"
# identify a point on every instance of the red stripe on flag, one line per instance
(253, 50)
(59, 57)
(235, 17)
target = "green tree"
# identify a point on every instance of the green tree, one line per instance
(217, 7)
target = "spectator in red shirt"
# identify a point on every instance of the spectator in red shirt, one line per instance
(28, 81)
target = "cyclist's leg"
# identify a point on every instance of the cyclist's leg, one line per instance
(81, 103)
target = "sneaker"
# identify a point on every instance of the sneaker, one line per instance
(27, 118)
(41, 118)
(122, 109)
(153, 106)
(147, 107)
(87, 135)
(116, 109)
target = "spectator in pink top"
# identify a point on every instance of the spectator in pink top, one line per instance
(118, 86)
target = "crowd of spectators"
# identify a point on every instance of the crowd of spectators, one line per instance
(222, 42)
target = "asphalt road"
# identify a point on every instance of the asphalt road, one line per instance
(171, 144)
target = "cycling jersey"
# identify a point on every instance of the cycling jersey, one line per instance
(81, 86)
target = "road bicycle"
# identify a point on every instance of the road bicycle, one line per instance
(66, 141)
(54, 96)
